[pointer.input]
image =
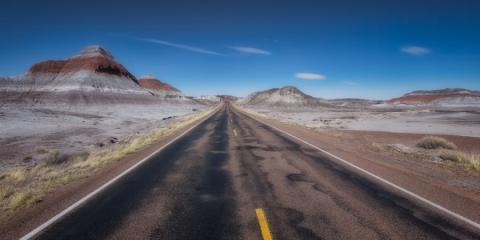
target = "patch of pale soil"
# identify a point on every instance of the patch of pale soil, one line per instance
(462, 123)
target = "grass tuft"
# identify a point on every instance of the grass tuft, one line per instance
(452, 156)
(474, 160)
(57, 158)
(376, 147)
(471, 160)
(17, 174)
(433, 142)
(19, 199)
(6, 192)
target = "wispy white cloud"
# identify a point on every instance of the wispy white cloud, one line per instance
(250, 50)
(351, 83)
(310, 76)
(415, 50)
(180, 46)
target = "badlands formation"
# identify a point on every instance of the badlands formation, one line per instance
(84, 103)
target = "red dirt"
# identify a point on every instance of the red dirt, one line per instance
(425, 98)
(97, 64)
(430, 96)
(102, 63)
(49, 66)
(155, 84)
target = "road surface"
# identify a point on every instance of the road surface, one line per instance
(233, 177)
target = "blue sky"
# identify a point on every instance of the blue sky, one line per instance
(368, 49)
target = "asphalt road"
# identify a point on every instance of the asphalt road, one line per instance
(209, 183)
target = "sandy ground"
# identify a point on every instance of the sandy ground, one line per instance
(460, 123)
(28, 134)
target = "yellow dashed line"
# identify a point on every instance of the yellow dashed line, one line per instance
(262, 221)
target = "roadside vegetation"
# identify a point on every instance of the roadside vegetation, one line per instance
(448, 152)
(433, 142)
(24, 186)
(435, 148)
(470, 160)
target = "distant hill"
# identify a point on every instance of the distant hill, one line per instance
(448, 97)
(159, 88)
(287, 96)
(92, 76)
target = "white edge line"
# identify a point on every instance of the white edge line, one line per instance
(401, 189)
(78, 203)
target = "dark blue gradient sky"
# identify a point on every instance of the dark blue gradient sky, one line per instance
(356, 45)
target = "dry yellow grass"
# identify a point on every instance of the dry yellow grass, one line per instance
(471, 160)
(22, 187)
(451, 156)
(376, 147)
(20, 199)
(474, 160)
(433, 142)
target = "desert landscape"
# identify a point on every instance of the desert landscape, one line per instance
(61, 118)
(66, 121)
(240, 120)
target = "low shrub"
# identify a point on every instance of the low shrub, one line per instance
(58, 158)
(452, 156)
(433, 142)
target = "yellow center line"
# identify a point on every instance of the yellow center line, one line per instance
(262, 221)
(235, 132)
